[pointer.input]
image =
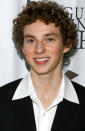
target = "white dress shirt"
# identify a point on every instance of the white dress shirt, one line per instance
(44, 118)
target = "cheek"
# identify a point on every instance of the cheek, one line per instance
(27, 51)
(27, 55)
(57, 54)
(55, 51)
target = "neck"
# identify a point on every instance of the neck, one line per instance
(47, 86)
(46, 81)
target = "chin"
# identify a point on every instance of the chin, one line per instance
(43, 72)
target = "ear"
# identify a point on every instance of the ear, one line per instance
(67, 48)
(23, 50)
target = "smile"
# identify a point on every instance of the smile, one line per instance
(41, 60)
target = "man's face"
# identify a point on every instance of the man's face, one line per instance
(43, 47)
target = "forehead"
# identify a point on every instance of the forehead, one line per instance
(40, 28)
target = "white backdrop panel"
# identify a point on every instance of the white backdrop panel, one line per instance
(11, 67)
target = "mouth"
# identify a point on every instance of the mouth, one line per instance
(42, 60)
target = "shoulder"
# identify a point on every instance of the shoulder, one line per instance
(7, 91)
(80, 90)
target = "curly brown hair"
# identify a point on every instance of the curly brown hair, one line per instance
(47, 12)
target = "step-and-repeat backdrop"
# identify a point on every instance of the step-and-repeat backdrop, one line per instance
(12, 67)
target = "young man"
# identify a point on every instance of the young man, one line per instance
(45, 100)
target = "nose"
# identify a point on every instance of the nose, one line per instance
(40, 47)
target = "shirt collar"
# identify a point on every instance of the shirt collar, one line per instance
(25, 88)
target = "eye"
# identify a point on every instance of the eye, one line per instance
(50, 40)
(30, 41)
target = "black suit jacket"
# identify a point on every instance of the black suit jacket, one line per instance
(18, 115)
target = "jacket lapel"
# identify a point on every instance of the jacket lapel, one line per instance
(65, 116)
(25, 113)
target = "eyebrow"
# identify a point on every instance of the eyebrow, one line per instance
(45, 35)
(49, 34)
(27, 36)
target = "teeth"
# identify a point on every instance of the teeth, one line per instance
(42, 59)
